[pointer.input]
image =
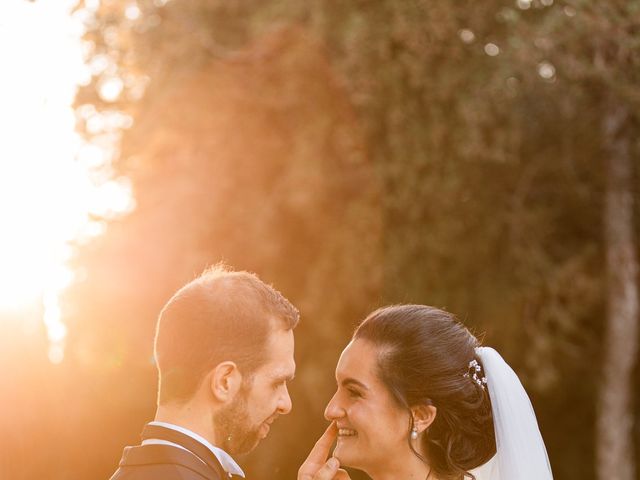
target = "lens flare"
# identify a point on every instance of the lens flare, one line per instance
(47, 193)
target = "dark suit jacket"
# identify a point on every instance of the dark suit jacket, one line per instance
(167, 462)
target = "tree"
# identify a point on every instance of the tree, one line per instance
(410, 152)
(600, 60)
(615, 415)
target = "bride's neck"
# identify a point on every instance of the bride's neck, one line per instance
(411, 468)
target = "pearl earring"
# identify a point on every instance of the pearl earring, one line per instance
(414, 434)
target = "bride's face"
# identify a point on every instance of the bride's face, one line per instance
(373, 429)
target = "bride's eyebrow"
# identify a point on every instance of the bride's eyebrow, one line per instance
(353, 382)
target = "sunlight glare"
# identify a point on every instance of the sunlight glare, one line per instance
(466, 35)
(491, 49)
(524, 4)
(110, 88)
(547, 71)
(132, 11)
(47, 191)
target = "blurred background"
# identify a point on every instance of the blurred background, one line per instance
(475, 156)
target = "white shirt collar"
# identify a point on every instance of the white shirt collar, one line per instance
(227, 462)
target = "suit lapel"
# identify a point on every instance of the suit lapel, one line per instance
(195, 447)
(166, 454)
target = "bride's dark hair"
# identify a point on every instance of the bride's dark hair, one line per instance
(423, 355)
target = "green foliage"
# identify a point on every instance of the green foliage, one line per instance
(356, 154)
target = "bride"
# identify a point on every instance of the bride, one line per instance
(418, 398)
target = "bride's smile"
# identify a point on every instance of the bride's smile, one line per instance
(372, 427)
(419, 398)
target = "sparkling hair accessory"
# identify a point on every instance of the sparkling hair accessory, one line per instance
(476, 373)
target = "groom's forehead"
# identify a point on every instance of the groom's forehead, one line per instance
(283, 374)
(280, 346)
(276, 373)
(279, 361)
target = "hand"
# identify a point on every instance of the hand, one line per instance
(316, 466)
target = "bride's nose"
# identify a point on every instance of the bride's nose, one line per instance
(333, 411)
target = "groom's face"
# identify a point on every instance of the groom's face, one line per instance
(263, 398)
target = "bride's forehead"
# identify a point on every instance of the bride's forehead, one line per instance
(358, 356)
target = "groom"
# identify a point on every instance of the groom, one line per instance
(224, 352)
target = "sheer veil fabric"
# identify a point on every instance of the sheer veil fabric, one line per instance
(521, 454)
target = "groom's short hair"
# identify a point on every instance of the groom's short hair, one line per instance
(222, 315)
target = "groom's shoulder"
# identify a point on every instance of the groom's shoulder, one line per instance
(162, 462)
(158, 472)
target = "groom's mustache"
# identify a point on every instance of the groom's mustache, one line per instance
(272, 418)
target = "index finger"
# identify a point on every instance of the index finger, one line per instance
(321, 449)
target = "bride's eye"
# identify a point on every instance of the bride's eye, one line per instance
(354, 393)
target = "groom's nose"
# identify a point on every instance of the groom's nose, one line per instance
(284, 402)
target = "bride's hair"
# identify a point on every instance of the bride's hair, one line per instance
(423, 356)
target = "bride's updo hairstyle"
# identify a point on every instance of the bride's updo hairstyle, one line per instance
(423, 358)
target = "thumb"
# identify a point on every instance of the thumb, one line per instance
(342, 475)
(328, 470)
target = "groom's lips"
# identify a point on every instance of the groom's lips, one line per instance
(266, 426)
(264, 429)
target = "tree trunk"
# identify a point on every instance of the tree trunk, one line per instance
(614, 447)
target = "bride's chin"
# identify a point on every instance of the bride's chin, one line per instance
(339, 454)
(342, 454)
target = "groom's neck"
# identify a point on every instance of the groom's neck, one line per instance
(188, 416)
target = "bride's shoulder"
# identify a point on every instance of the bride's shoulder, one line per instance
(487, 470)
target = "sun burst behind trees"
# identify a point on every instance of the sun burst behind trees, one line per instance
(374, 152)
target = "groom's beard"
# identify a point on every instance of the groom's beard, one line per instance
(232, 426)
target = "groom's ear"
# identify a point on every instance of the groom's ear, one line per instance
(423, 416)
(225, 381)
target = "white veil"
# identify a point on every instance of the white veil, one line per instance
(521, 454)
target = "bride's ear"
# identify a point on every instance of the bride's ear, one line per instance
(423, 416)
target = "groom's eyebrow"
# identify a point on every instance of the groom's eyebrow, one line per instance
(352, 381)
(284, 378)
